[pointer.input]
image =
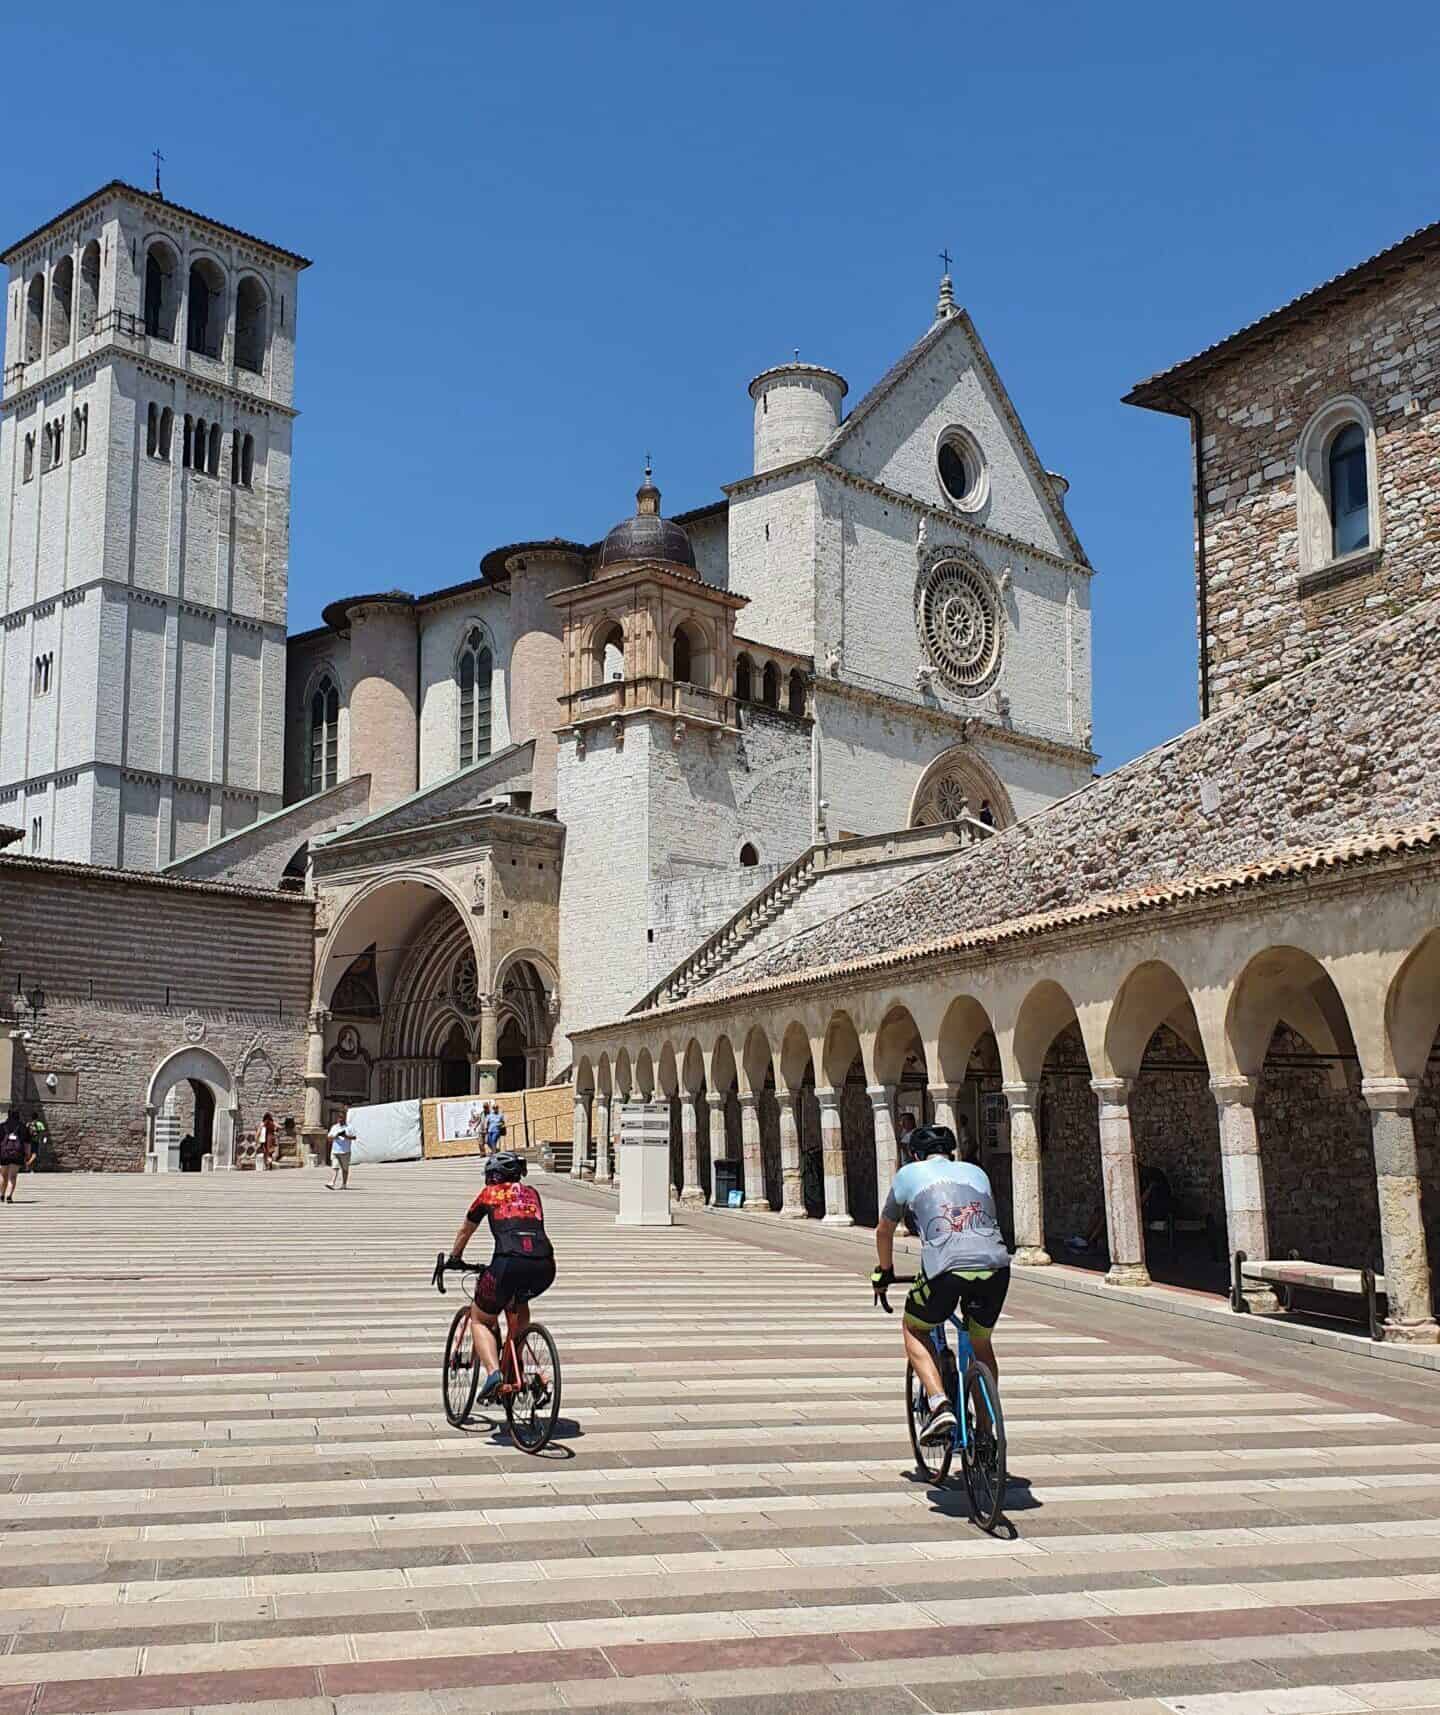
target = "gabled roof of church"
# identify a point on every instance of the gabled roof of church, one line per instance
(152, 197)
(1154, 392)
(933, 336)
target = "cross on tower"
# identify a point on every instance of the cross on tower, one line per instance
(158, 159)
(946, 258)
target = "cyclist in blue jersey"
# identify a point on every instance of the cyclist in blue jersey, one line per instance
(964, 1264)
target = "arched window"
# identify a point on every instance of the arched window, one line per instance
(34, 318)
(62, 302)
(250, 320)
(29, 458)
(797, 692)
(187, 456)
(749, 857)
(744, 680)
(607, 655)
(167, 424)
(89, 305)
(160, 292)
(690, 655)
(152, 430)
(213, 462)
(771, 686)
(205, 317)
(1337, 509)
(680, 657)
(247, 461)
(473, 673)
(324, 735)
(79, 431)
(1349, 492)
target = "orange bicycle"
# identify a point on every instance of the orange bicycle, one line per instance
(529, 1368)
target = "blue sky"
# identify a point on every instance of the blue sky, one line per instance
(548, 238)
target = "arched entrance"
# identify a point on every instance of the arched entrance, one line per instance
(206, 1081)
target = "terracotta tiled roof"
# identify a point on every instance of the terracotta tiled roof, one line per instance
(1127, 902)
(1154, 391)
(137, 195)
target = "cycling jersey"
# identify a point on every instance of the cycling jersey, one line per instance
(516, 1219)
(953, 1209)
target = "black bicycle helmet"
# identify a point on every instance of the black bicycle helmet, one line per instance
(505, 1168)
(930, 1140)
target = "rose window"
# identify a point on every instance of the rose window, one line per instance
(950, 799)
(960, 623)
(465, 985)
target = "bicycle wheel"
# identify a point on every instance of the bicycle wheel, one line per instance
(534, 1406)
(933, 1461)
(982, 1456)
(460, 1374)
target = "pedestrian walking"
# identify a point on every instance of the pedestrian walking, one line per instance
(266, 1139)
(342, 1140)
(494, 1129)
(17, 1150)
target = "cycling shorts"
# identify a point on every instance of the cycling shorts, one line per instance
(978, 1295)
(513, 1280)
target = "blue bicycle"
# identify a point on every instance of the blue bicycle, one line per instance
(979, 1435)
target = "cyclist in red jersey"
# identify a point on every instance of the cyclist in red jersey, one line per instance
(523, 1264)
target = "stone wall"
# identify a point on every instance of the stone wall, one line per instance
(1381, 346)
(1338, 751)
(133, 969)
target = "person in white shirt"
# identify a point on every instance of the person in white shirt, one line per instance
(341, 1140)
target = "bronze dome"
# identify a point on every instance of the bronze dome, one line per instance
(647, 536)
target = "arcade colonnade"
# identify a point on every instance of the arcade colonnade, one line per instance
(1301, 1016)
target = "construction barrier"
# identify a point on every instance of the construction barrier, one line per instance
(450, 1125)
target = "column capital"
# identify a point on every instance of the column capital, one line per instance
(827, 1097)
(318, 1019)
(1021, 1097)
(1113, 1092)
(1390, 1095)
(945, 1092)
(746, 1098)
(1234, 1092)
(880, 1094)
(715, 1100)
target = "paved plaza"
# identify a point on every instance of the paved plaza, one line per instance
(228, 1481)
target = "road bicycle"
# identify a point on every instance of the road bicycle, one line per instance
(979, 1434)
(529, 1369)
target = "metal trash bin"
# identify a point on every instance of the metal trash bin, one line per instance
(727, 1179)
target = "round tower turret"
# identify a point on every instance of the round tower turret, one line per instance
(797, 409)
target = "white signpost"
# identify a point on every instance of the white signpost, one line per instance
(644, 1165)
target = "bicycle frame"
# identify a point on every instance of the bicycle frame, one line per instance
(965, 1351)
(510, 1373)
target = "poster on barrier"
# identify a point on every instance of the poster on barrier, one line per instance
(461, 1119)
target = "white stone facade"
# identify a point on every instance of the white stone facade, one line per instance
(152, 572)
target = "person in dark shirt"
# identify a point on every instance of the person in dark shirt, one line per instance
(523, 1264)
(17, 1150)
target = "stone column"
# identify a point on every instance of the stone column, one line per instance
(944, 1099)
(692, 1194)
(1120, 1175)
(1245, 1221)
(600, 1135)
(887, 1150)
(792, 1184)
(312, 1129)
(832, 1155)
(612, 1151)
(152, 1157)
(581, 1146)
(1402, 1226)
(751, 1161)
(715, 1101)
(1026, 1189)
(487, 1067)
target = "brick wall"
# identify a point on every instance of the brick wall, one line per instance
(105, 947)
(1381, 346)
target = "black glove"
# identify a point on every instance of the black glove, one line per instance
(881, 1278)
(454, 1262)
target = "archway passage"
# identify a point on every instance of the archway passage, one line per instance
(454, 1069)
(523, 1025)
(1176, 1128)
(1069, 1130)
(197, 1136)
(191, 1086)
(511, 1053)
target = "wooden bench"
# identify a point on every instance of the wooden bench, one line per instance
(1286, 1278)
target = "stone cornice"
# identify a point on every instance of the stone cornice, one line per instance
(964, 727)
(157, 598)
(146, 878)
(929, 509)
(462, 834)
(146, 363)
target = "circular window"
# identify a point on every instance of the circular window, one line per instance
(961, 469)
(961, 625)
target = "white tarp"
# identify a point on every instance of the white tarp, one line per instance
(386, 1131)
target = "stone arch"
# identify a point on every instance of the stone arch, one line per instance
(744, 678)
(604, 650)
(964, 1024)
(196, 1065)
(645, 1074)
(1412, 1010)
(584, 1076)
(205, 306)
(759, 1079)
(795, 1068)
(691, 653)
(846, 1073)
(162, 288)
(252, 316)
(960, 782)
(1284, 984)
(1046, 1010)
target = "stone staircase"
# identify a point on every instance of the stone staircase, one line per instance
(824, 879)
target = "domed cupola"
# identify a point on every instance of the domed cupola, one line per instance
(647, 536)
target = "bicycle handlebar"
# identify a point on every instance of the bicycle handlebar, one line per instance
(443, 1266)
(895, 1280)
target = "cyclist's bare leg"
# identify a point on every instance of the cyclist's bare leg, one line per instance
(982, 1339)
(922, 1360)
(485, 1333)
(517, 1320)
